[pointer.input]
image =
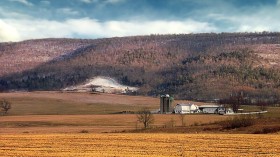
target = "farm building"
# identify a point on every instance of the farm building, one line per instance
(215, 109)
(209, 108)
(165, 103)
(186, 108)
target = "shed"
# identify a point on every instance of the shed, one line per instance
(209, 108)
(216, 109)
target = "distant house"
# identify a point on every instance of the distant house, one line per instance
(215, 109)
(186, 108)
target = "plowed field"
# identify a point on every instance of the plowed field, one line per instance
(62, 145)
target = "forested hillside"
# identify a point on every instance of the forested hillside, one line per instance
(191, 66)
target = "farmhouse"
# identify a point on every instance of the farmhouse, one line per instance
(186, 108)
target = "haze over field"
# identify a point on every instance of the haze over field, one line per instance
(33, 19)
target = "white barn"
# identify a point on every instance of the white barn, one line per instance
(186, 108)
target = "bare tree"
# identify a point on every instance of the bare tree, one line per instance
(235, 100)
(146, 117)
(5, 106)
(182, 119)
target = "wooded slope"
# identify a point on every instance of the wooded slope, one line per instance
(192, 66)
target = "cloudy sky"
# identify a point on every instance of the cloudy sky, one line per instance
(33, 19)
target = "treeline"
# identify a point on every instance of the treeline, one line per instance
(193, 66)
(217, 77)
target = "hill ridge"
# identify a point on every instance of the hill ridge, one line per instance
(193, 66)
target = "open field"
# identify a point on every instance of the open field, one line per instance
(92, 123)
(57, 112)
(58, 103)
(273, 112)
(68, 145)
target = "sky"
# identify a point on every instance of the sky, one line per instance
(91, 19)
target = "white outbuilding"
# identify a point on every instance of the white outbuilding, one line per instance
(209, 108)
(215, 109)
(186, 108)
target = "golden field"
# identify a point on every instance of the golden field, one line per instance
(55, 124)
(68, 145)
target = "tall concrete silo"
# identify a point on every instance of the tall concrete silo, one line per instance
(165, 103)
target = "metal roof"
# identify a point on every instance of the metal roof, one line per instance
(209, 106)
(185, 104)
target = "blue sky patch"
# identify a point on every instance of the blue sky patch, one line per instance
(32, 19)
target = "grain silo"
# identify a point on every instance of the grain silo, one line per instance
(165, 103)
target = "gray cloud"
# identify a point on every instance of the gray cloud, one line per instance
(78, 22)
(25, 2)
(68, 11)
(102, 1)
(250, 20)
(92, 28)
(46, 2)
(88, 1)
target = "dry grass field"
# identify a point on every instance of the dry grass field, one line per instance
(55, 124)
(83, 145)
(91, 123)
(58, 112)
(58, 103)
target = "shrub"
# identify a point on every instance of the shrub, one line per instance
(268, 130)
(195, 124)
(84, 131)
(5, 106)
(238, 122)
